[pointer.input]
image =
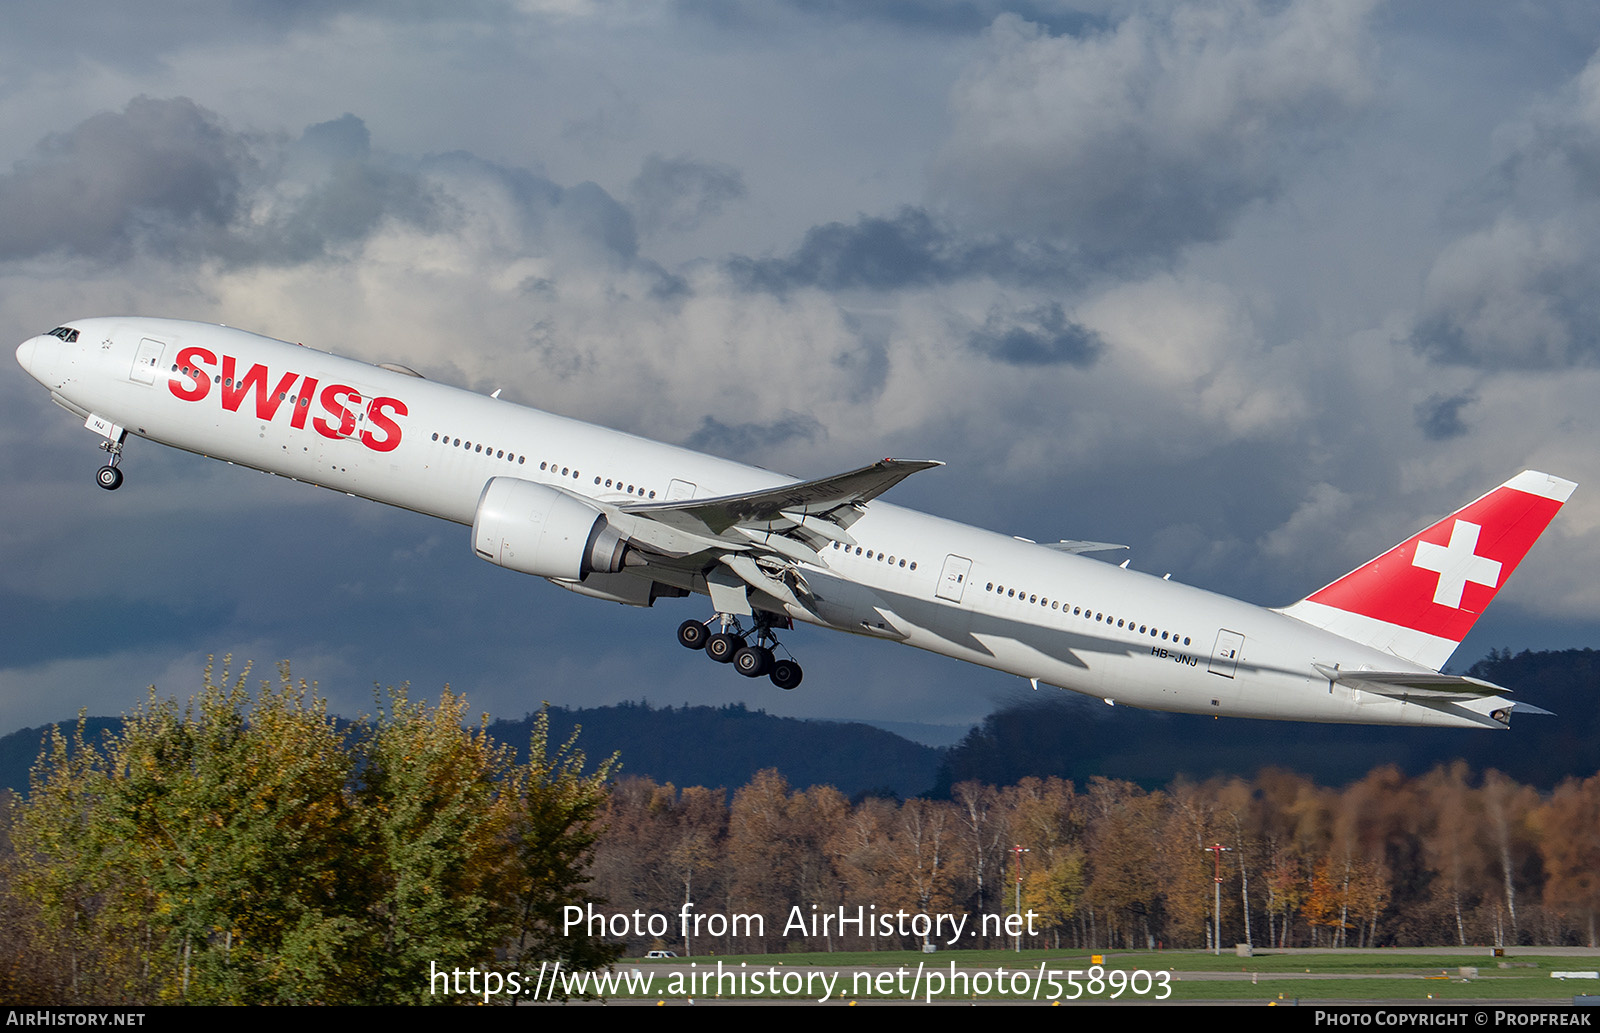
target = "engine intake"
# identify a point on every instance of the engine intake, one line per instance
(537, 529)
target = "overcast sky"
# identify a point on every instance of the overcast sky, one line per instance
(1256, 288)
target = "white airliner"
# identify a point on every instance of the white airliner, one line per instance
(626, 519)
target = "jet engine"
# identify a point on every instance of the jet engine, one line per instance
(542, 530)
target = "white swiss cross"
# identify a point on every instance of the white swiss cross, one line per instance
(1456, 564)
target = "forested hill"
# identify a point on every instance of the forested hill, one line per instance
(725, 746)
(1063, 735)
(1077, 738)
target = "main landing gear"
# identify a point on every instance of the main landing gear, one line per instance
(731, 645)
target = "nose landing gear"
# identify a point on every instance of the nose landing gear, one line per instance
(112, 436)
(733, 645)
(108, 476)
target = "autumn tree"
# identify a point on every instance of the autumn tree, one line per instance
(1570, 824)
(983, 826)
(694, 857)
(1187, 868)
(861, 854)
(762, 850)
(920, 846)
(1508, 810)
(1123, 834)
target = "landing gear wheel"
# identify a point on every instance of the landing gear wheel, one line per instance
(786, 674)
(108, 477)
(753, 661)
(693, 635)
(721, 647)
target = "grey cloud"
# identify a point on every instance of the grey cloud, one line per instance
(168, 178)
(1039, 336)
(143, 37)
(161, 173)
(1520, 288)
(909, 249)
(595, 214)
(679, 194)
(342, 139)
(1513, 304)
(742, 440)
(953, 16)
(553, 218)
(335, 192)
(1131, 143)
(1439, 418)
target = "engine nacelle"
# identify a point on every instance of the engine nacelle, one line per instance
(541, 530)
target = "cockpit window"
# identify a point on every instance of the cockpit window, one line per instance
(66, 333)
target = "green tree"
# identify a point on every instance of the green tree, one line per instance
(555, 827)
(244, 848)
(196, 851)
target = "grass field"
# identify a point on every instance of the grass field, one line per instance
(1303, 977)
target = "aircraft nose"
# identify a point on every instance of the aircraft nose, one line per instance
(39, 358)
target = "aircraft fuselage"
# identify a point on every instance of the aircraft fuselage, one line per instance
(974, 595)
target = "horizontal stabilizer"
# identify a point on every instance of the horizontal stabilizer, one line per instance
(1418, 685)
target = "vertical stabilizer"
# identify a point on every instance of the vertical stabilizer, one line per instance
(1419, 599)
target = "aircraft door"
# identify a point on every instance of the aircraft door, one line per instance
(1225, 656)
(146, 361)
(680, 490)
(953, 579)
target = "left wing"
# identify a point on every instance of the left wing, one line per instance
(757, 538)
(826, 506)
(1075, 547)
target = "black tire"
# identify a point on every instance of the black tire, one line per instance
(786, 674)
(108, 477)
(692, 635)
(753, 661)
(721, 646)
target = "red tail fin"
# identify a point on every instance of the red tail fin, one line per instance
(1419, 599)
